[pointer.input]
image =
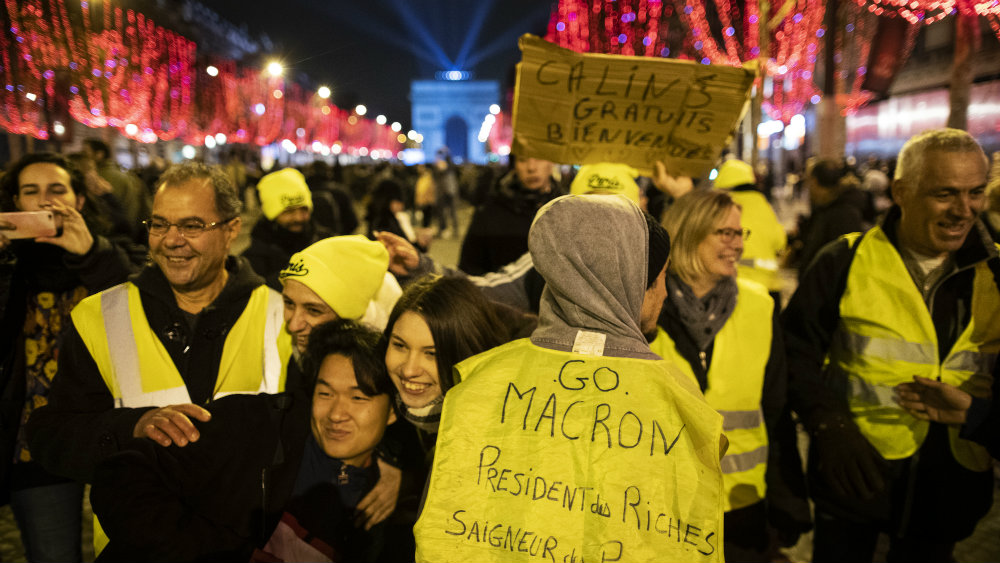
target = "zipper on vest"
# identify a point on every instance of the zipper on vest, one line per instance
(701, 356)
(263, 505)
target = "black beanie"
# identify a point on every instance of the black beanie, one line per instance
(659, 249)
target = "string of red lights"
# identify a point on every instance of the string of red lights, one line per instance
(731, 36)
(111, 67)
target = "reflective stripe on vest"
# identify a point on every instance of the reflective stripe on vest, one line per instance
(887, 336)
(737, 420)
(735, 463)
(735, 384)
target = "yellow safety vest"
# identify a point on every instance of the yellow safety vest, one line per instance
(767, 240)
(887, 336)
(735, 382)
(138, 370)
(543, 454)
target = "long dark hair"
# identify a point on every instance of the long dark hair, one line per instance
(462, 321)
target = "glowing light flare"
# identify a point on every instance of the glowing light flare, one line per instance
(396, 126)
(380, 119)
(275, 69)
(494, 109)
(188, 152)
(360, 109)
(323, 92)
(211, 71)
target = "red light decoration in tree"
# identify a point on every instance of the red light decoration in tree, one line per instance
(733, 37)
(851, 53)
(110, 67)
(930, 11)
(616, 27)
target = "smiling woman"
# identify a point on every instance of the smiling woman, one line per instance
(438, 322)
(720, 331)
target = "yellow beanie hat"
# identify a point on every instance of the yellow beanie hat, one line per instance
(734, 173)
(345, 272)
(281, 190)
(606, 177)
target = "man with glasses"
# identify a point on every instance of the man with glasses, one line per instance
(142, 357)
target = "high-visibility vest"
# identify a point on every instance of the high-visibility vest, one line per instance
(887, 335)
(139, 372)
(735, 382)
(543, 454)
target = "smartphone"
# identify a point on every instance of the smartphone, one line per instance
(30, 224)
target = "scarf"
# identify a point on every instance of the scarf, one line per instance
(703, 318)
(425, 418)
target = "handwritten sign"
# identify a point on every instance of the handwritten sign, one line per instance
(578, 108)
(546, 455)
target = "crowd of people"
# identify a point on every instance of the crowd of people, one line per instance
(319, 397)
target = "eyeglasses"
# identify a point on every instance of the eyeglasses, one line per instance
(729, 234)
(188, 228)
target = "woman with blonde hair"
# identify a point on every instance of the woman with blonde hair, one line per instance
(721, 332)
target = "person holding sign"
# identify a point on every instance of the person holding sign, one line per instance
(579, 443)
(720, 330)
(498, 232)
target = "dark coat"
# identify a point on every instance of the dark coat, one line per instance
(26, 269)
(213, 500)
(271, 246)
(498, 232)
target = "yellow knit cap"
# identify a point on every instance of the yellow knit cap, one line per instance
(345, 272)
(606, 177)
(281, 190)
(734, 173)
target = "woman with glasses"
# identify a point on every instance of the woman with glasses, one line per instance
(41, 280)
(720, 330)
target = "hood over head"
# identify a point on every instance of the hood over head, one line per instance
(592, 251)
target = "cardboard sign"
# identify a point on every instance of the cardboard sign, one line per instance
(575, 108)
(552, 456)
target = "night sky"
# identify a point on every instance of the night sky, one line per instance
(368, 52)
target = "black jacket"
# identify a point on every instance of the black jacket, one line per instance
(498, 232)
(80, 426)
(928, 484)
(213, 500)
(271, 246)
(27, 269)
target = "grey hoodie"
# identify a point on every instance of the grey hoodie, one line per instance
(592, 251)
